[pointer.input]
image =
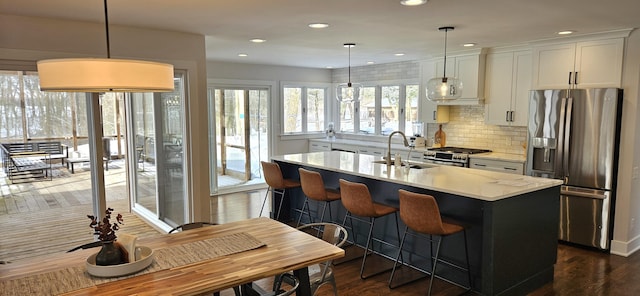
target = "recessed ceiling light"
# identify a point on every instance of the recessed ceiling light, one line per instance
(371, 62)
(329, 67)
(469, 45)
(567, 32)
(257, 40)
(399, 54)
(243, 55)
(413, 2)
(318, 25)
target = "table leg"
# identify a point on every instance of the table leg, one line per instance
(305, 286)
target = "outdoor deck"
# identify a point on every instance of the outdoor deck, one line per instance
(43, 217)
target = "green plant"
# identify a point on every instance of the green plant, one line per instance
(106, 230)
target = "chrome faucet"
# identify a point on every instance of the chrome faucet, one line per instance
(406, 144)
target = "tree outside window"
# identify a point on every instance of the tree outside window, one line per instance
(303, 109)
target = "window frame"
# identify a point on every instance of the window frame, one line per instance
(402, 113)
(304, 87)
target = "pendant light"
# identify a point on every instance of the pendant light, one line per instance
(349, 92)
(104, 75)
(444, 89)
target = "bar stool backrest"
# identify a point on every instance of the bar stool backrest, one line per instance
(420, 212)
(312, 185)
(272, 174)
(356, 198)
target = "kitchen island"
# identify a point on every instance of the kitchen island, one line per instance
(512, 219)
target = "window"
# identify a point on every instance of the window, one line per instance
(390, 104)
(304, 108)
(381, 110)
(411, 109)
(30, 114)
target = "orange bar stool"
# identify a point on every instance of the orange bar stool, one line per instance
(356, 198)
(313, 188)
(277, 184)
(421, 214)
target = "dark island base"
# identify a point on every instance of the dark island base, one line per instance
(512, 242)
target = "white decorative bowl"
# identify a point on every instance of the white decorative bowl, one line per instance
(144, 258)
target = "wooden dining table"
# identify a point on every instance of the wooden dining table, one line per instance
(285, 249)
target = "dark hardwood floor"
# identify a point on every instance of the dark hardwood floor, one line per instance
(578, 271)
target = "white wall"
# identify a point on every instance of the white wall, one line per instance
(626, 234)
(30, 39)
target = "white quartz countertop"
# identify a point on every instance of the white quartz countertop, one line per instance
(478, 184)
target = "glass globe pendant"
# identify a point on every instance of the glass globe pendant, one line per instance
(444, 89)
(348, 92)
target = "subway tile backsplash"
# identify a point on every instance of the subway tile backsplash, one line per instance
(466, 128)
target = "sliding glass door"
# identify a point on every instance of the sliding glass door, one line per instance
(157, 164)
(240, 119)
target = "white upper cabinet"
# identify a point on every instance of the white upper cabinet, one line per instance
(469, 68)
(508, 81)
(430, 112)
(587, 64)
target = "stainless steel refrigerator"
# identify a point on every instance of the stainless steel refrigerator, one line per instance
(574, 136)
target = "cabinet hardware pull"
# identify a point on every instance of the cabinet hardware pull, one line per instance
(511, 169)
(480, 165)
(570, 77)
(506, 116)
(511, 116)
(575, 79)
(434, 115)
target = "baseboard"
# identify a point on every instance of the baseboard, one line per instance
(240, 188)
(625, 249)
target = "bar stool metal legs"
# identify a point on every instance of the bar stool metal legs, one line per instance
(308, 212)
(420, 213)
(273, 195)
(368, 247)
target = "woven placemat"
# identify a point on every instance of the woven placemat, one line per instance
(74, 278)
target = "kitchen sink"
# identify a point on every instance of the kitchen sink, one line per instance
(413, 165)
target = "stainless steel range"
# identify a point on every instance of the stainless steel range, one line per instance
(454, 156)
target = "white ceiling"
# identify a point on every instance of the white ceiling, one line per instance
(380, 28)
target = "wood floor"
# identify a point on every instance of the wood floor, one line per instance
(41, 217)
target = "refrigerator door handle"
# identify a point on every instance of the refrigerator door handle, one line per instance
(583, 192)
(558, 161)
(565, 148)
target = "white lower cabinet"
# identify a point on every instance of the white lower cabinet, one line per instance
(497, 165)
(315, 146)
(371, 151)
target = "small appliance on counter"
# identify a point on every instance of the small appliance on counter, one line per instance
(330, 132)
(417, 139)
